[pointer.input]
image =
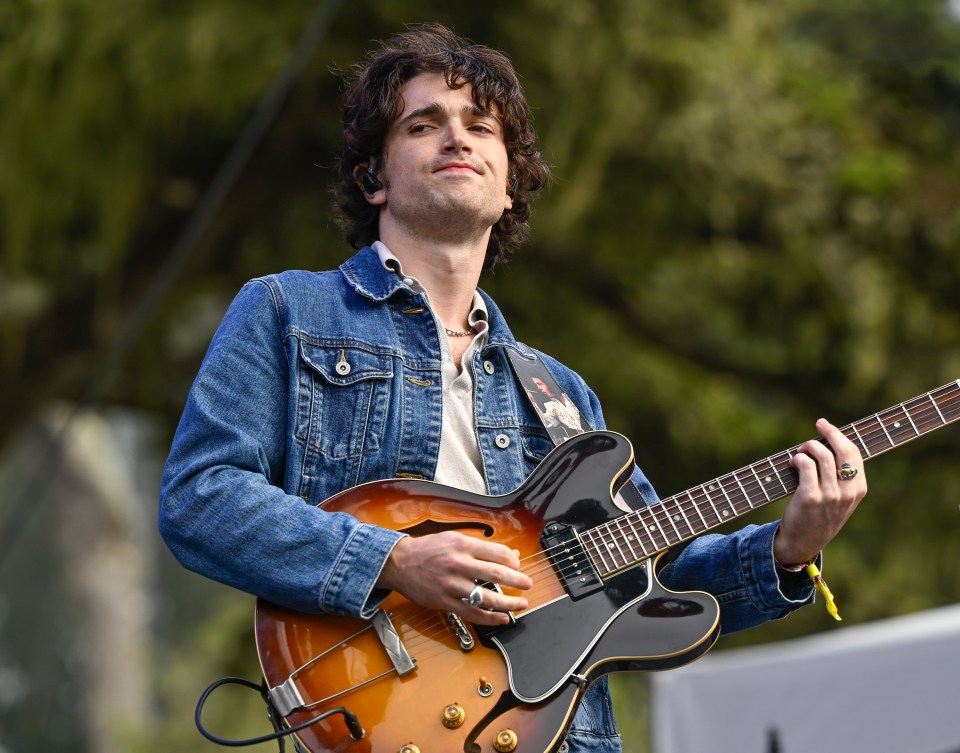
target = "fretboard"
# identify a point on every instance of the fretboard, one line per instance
(633, 537)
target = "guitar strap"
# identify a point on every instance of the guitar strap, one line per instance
(557, 411)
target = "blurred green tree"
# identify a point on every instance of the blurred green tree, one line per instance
(755, 222)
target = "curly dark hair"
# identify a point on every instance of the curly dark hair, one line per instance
(372, 102)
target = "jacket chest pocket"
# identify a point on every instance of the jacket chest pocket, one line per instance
(343, 397)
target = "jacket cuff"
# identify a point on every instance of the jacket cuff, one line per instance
(774, 590)
(351, 586)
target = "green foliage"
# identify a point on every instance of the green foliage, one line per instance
(754, 222)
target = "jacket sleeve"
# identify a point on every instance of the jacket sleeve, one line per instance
(739, 570)
(222, 511)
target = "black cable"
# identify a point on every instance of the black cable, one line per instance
(280, 731)
(48, 459)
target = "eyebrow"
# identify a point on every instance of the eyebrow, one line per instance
(435, 108)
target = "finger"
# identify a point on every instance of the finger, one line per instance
(493, 608)
(845, 450)
(807, 468)
(498, 564)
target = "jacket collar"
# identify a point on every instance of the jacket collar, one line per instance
(365, 273)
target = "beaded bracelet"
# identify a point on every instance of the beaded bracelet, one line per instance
(794, 568)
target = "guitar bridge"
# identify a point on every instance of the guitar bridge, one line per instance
(570, 560)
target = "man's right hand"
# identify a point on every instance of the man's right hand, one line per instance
(441, 569)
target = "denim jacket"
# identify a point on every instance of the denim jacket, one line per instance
(319, 381)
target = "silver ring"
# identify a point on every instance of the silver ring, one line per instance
(475, 599)
(847, 472)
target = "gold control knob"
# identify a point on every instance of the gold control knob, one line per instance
(453, 716)
(505, 741)
(409, 748)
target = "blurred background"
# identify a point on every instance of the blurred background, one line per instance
(756, 222)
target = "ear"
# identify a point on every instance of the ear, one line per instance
(368, 182)
(511, 189)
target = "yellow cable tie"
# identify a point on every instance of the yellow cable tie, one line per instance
(821, 585)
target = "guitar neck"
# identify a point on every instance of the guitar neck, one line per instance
(640, 534)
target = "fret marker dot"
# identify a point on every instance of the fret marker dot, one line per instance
(711, 487)
(726, 513)
(676, 517)
(768, 479)
(610, 547)
(651, 528)
(896, 424)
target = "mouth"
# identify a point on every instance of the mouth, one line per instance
(457, 167)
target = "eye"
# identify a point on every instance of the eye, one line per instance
(483, 127)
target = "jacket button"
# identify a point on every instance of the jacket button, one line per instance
(488, 367)
(343, 368)
(503, 441)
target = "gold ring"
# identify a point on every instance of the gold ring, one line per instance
(847, 472)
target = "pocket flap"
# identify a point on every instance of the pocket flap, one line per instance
(346, 365)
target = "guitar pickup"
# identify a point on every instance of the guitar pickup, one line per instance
(570, 561)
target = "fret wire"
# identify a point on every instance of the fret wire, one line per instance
(925, 419)
(626, 539)
(726, 496)
(896, 426)
(636, 516)
(863, 445)
(889, 426)
(742, 491)
(873, 433)
(766, 479)
(612, 546)
(652, 530)
(936, 408)
(779, 478)
(599, 550)
(910, 419)
(670, 521)
(604, 552)
(754, 472)
(889, 438)
(683, 515)
(697, 508)
(712, 506)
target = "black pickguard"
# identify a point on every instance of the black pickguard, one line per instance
(633, 622)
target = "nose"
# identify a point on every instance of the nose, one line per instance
(456, 137)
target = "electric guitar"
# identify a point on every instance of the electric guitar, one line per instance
(419, 680)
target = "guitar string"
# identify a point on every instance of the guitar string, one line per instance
(729, 487)
(928, 415)
(927, 418)
(924, 413)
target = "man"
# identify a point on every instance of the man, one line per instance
(396, 365)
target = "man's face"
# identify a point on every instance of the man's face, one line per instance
(445, 163)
